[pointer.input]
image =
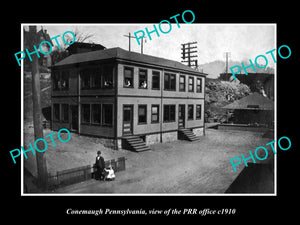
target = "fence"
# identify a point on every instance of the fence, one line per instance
(79, 174)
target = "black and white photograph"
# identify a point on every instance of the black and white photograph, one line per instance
(130, 112)
(145, 109)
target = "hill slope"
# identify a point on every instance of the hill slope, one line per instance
(220, 93)
(213, 69)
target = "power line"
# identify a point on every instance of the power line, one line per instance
(187, 50)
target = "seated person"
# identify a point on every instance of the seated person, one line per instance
(127, 83)
(109, 173)
(107, 83)
(143, 84)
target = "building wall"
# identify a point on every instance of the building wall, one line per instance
(57, 125)
(137, 128)
(136, 91)
(120, 96)
(74, 95)
(73, 82)
(141, 129)
(253, 116)
(136, 96)
(97, 130)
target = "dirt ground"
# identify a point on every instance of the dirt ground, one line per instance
(169, 168)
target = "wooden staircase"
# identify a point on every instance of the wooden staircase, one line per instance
(135, 143)
(187, 134)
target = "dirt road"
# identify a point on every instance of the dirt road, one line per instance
(179, 167)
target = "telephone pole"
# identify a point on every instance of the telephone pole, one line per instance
(227, 55)
(129, 38)
(187, 54)
(142, 47)
(37, 112)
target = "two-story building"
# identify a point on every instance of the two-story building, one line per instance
(127, 99)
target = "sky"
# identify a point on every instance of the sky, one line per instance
(243, 41)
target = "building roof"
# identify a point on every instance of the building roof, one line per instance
(254, 101)
(82, 45)
(119, 53)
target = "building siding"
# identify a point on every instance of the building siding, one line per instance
(135, 96)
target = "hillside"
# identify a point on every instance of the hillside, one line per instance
(220, 93)
(213, 69)
(45, 84)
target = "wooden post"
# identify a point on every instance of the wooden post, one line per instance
(37, 112)
(129, 36)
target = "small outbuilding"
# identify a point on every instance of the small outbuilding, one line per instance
(254, 109)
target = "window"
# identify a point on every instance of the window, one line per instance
(155, 114)
(85, 79)
(56, 81)
(199, 85)
(198, 112)
(191, 84)
(127, 111)
(143, 79)
(91, 114)
(190, 112)
(95, 80)
(64, 80)
(182, 83)
(155, 80)
(107, 74)
(65, 113)
(56, 112)
(169, 113)
(90, 78)
(142, 114)
(128, 77)
(107, 114)
(96, 114)
(60, 80)
(170, 82)
(85, 113)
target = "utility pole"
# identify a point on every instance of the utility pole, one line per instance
(227, 55)
(186, 54)
(37, 112)
(129, 37)
(142, 44)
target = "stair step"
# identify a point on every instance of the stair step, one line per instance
(195, 138)
(138, 144)
(145, 148)
(186, 130)
(133, 139)
(189, 135)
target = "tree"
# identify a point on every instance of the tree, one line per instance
(60, 54)
(80, 36)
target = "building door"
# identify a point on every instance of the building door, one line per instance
(74, 117)
(127, 120)
(181, 116)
